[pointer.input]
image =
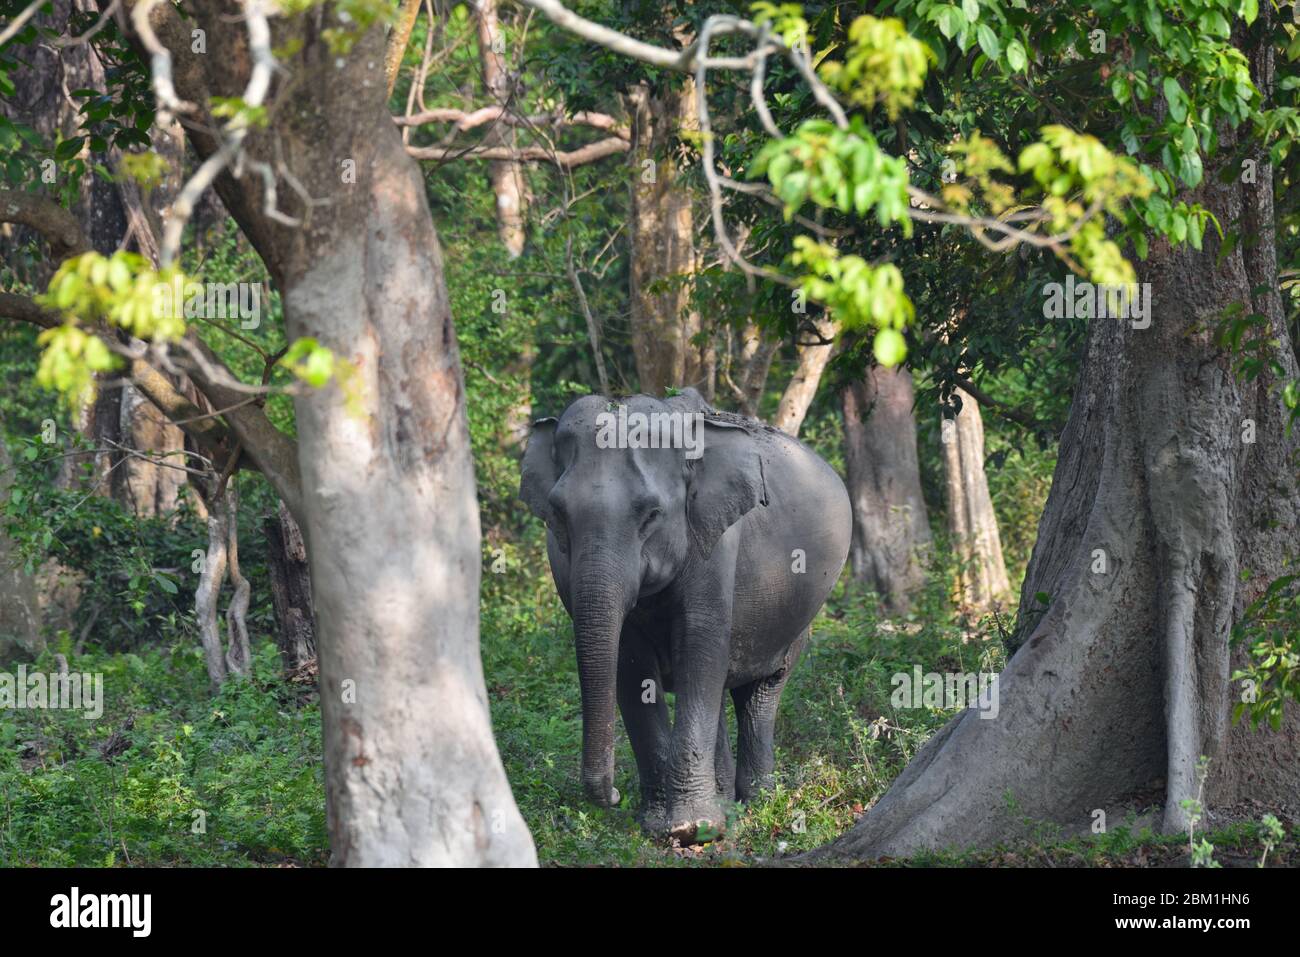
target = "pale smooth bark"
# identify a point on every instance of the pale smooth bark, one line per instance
(813, 357)
(891, 530)
(745, 372)
(506, 176)
(386, 497)
(144, 487)
(207, 596)
(239, 652)
(972, 525)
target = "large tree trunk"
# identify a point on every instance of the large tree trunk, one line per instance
(813, 357)
(412, 771)
(386, 499)
(972, 525)
(506, 176)
(661, 241)
(290, 591)
(890, 527)
(143, 487)
(1157, 508)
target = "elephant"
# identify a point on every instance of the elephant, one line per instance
(692, 557)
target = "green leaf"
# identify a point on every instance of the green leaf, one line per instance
(1176, 98)
(890, 348)
(1214, 23)
(949, 21)
(69, 148)
(1016, 58)
(988, 41)
(1121, 89)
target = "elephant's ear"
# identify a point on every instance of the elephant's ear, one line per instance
(724, 483)
(539, 472)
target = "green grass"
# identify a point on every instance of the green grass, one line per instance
(249, 758)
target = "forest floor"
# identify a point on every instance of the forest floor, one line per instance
(171, 775)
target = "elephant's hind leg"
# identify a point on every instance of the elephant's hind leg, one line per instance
(724, 763)
(756, 706)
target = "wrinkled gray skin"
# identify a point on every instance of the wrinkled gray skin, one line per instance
(683, 575)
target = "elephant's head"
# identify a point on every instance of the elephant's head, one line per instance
(624, 519)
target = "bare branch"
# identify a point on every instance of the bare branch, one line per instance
(929, 209)
(259, 83)
(58, 226)
(22, 309)
(680, 61)
(710, 170)
(105, 15)
(160, 63)
(593, 331)
(695, 59)
(19, 21)
(467, 120)
(527, 154)
(398, 39)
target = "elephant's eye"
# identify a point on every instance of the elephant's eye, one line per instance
(650, 518)
(557, 509)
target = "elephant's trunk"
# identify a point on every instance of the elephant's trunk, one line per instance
(599, 608)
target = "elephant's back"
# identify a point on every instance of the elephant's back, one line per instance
(805, 496)
(791, 551)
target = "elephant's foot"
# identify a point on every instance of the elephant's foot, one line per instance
(653, 814)
(697, 823)
(747, 790)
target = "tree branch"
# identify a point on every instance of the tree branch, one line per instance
(269, 449)
(58, 226)
(1019, 416)
(593, 330)
(590, 153)
(17, 22)
(398, 39)
(465, 121)
(680, 61)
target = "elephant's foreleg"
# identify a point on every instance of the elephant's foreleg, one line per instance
(645, 716)
(700, 673)
(756, 707)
